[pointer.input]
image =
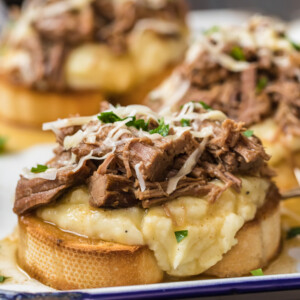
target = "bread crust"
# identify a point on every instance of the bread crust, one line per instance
(27, 107)
(258, 244)
(67, 261)
(286, 178)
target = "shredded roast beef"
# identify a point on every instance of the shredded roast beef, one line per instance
(32, 193)
(139, 168)
(268, 87)
(237, 96)
(99, 21)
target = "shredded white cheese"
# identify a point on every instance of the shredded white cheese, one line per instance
(88, 157)
(187, 167)
(140, 177)
(68, 122)
(119, 133)
(49, 174)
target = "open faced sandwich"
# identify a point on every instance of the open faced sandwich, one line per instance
(131, 195)
(67, 54)
(252, 74)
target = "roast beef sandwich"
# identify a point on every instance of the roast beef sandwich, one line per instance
(251, 73)
(131, 195)
(62, 57)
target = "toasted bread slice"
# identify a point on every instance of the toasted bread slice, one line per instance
(23, 106)
(66, 261)
(258, 243)
(285, 170)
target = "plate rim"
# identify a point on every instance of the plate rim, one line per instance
(192, 288)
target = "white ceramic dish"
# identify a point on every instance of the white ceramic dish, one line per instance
(11, 166)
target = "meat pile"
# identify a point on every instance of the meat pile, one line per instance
(250, 73)
(57, 28)
(124, 166)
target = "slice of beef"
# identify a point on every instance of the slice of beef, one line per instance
(32, 193)
(111, 190)
(186, 187)
(156, 157)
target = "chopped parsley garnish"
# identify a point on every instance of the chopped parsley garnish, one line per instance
(180, 235)
(261, 84)
(39, 169)
(138, 124)
(205, 106)
(109, 117)
(3, 141)
(295, 45)
(185, 122)
(237, 53)
(293, 232)
(211, 30)
(248, 133)
(162, 128)
(257, 272)
(3, 278)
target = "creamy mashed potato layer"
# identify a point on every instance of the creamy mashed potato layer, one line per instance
(277, 144)
(211, 227)
(94, 66)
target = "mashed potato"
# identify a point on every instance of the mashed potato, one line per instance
(210, 227)
(94, 66)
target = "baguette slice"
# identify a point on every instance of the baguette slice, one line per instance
(67, 261)
(23, 106)
(258, 244)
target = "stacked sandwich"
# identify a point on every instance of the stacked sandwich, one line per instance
(62, 57)
(131, 194)
(252, 74)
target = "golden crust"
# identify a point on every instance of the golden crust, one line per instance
(32, 108)
(286, 178)
(258, 243)
(65, 261)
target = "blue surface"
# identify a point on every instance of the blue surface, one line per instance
(188, 289)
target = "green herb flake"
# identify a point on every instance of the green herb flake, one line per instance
(138, 124)
(108, 117)
(162, 128)
(293, 232)
(295, 45)
(205, 106)
(257, 272)
(248, 133)
(212, 30)
(261, 84)
(39, 169)
(3, 278)
(3, 141)
(180, 235)
(185, 122)
(237, 53)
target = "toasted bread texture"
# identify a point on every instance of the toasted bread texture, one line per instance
(258, 243)
(20, 105)
(286, 172)
(66, 261)
(27, 108)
